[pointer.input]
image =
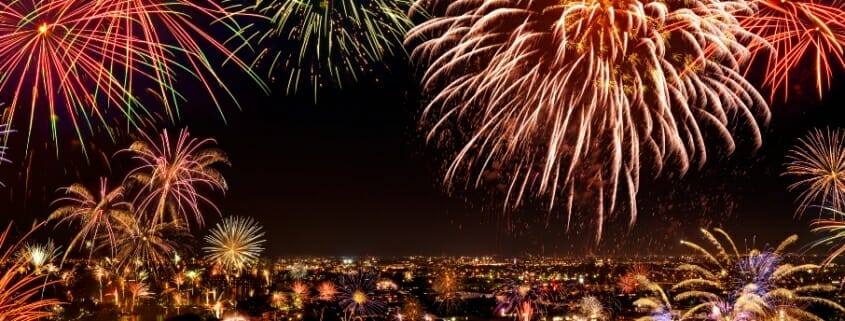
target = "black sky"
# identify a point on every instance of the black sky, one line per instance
(352, 175)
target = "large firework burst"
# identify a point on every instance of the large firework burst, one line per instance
(58, 58)
(309, 44)
(758, 284)
(357, 294)
(799, 35)
(565, 99)
(818, 160)
(90, 63)
(172, 174)
(235, 243)
(95, 212)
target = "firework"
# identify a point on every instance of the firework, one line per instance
(326, 290)
(297, 271)
(171, 174)
(799, 35)
(656, 301)
(386, 285)
(96, 213)
(523, 299)
(412, 310)
(4, 131)
(235, 243)
(58, 58)
(629, 282)
(186, 42)
(757, 284)
(833, 233)
(591, 309)
(819, 163)
(315, 44)
(19, 294)
(139, 290)
(178, 279)
(92, 62)
(447, 285)
(278, 299)
(143, 244)
(300, 293)
(563, 100)
(357, 294)
(39, 255)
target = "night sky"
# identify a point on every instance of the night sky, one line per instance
(353, 175)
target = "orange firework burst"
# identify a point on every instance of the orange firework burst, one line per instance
(300, 291)
(566, 99)
(327, 291)
(804, 35)
(629, 282)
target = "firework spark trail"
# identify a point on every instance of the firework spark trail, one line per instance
(569, 97)
(818, 161)
(97, 213)
(39, 255)
(171, 173)
(235, 243)
(326, 290)
(833, 234)
(729, 284)
(91, 62)
(146, 245)
(19, 299)
(797, 33)
(176, 43)
(323, 43)
(56, 54)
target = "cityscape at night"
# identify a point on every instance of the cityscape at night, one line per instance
(422, 160)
